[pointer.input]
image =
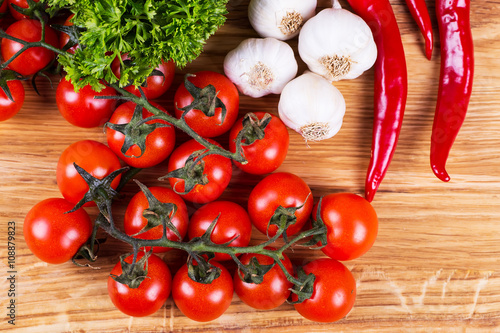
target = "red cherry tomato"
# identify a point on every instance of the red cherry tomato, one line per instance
(3, 8)
(151, 294)
(272, 291)
(218, 170)
(51, 234)
(33, 59)
(264, 155)
(334, 291)
(156, 85)
(233, 222)
(81, 108)
(159, 143)
(227, 92)
(8, 108)
(134, 220)
(21, 3)
(202, 302)
(351, 223)
(64, 37)
(279, 189)
(96, 158)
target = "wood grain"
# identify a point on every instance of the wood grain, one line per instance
(434, 267)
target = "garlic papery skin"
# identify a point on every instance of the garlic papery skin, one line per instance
(312, 106)
(280, 19)
(337, 44)
(260, 66)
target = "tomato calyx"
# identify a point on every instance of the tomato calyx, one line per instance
(73, 31)
(88, 251)
(9, 75)
(133, 273)
(283, 217)
(201, 270)
(303, 286)
(204, 99)
(253, 128)
(254, 272)
(34, 10)
(191, 172)
(136, 131)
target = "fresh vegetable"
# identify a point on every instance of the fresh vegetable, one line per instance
(333, 291)
(33, 59)
(147, 292)
(351, 223)
(95, 158)
(277, 196)
(148, 208)
(312, 106)
(149, 31)
(202, 301)
(418, 10)
(274, 288)
(337, 44)
(280, 19)
(147, 144)
(455, 85)
(208, 175)
(20, 3)
(64, 38)
(10, 107)
(3, 8)
(233, 225)
(54, 235)
(212, 118)
(390, 88)
(81, 108)
(260, 66)
(264, 140)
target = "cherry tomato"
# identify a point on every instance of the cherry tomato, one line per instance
(159, 143)
(51, 234)
(64, 37)
(351, 223)
(227, 92)
(95, 158)
(33, 59)
(151, 294)
(21, 3)
(134, 221)
(218, 170)
(279, 189)
(8, 108)
(272, 291)
(202, 302)
(264, 155)
(81, 108)
(3, 8)
(334, 291)
(156, 85)
(233, 222)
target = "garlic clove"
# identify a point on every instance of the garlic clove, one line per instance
(260, 66)
(280, 19)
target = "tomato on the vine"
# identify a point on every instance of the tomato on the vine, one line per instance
(3, 8)
(156, 85)
(151, 294)
(21, 3)
(334, 291)
(159, 143)
(351, 224)
(64, 37)
(280, 189)
(95, 158)
(81, 108)
(209, 126)
(134, 220)
(199, 301)
(218, 171)
(53, 235)
(232, 221)
(272, 291)
(8, 108)
(33, 59)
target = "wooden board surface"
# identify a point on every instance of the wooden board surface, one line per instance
(434, 267)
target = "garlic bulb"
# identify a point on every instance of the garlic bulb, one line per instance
(281, 19)
(312, 106)
(337, 44)
(260, 66)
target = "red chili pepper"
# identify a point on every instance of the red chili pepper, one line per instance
(455, 86)
(390, 87)
(418, 10)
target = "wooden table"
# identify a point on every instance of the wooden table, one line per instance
(434, 267)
